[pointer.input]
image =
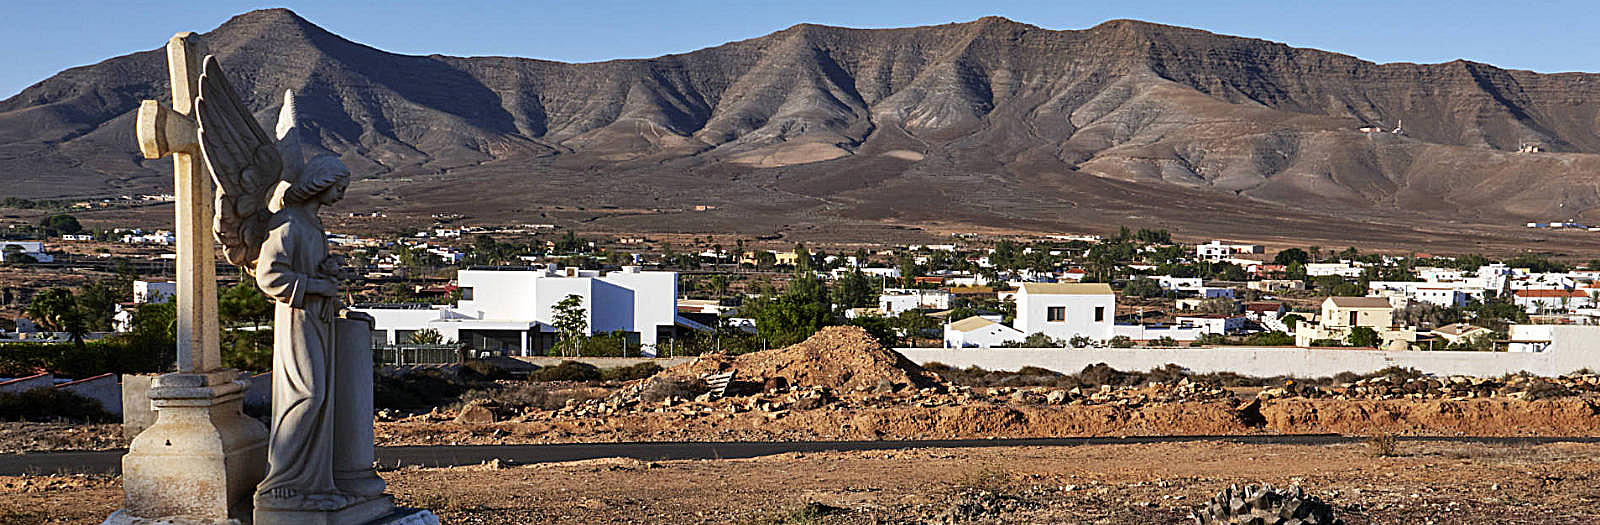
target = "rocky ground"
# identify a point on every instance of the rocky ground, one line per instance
(1418, 483)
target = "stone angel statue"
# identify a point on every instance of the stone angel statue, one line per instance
(268, 196)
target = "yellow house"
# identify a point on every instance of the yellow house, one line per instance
(789, 258)
(1340, 314)
(1350, 312)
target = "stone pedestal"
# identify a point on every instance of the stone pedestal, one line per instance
(201, 460)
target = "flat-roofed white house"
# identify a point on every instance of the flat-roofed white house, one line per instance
(154, 291)
(979, 332)
(893, 301)
(31, 249)
(511, 309)
(1065, 310)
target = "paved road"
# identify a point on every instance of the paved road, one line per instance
(110, 461)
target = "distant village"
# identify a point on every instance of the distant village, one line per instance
(519, 290)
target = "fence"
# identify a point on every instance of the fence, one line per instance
(416, 354)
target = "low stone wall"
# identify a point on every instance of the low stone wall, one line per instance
(24, 384)
(103, 388)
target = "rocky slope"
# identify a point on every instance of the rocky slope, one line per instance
(989, 122)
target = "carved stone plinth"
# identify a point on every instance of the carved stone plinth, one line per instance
(201, 460)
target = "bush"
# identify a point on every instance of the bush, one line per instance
(662, 388)
(49, 404)
(517, 396)
(629, 373)
(1121, 341)
(566, 371)
(419, 389)
(475, 369)
(1269, 339)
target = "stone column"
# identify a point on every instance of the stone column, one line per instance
(352, 394)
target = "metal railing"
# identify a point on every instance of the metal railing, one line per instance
(408, 354)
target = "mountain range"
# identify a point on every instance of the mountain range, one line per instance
(989, 125)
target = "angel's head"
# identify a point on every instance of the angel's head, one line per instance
(322, 180)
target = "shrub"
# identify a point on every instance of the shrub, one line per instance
(483, 370)
(517, 396)
(629, 373)
(47, 404)
(566, 371)
(1269, 339)
(662, 388)
(1121, 341)
(1383, 445)
(415, 390)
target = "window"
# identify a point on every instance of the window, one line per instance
(1055, 314)
(1099, 314)
(466, 293)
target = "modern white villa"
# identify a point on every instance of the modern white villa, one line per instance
(511, 309)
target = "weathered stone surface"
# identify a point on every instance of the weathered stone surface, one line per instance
(475, 414)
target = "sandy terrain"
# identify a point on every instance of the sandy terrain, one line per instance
(1104, 484)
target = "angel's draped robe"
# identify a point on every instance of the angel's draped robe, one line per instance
(300, 450)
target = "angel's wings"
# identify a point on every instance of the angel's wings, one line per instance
(245, 162)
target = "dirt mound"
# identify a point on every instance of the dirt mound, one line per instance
(840, 357)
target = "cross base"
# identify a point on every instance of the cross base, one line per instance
(200, 462)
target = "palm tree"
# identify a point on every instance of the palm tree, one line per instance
(57, 310)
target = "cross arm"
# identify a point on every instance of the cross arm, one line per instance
(163, 131)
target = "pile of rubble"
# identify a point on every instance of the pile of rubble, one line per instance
(841, 357)
(1457, 388)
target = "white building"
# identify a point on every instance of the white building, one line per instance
(1216, 251)
(979, 332)
(154, 291)
(512, 309)
(32, 249)
(1065, 310)
(1341, 269)
(893, 301)
(1213, 323)
(1540, 301)
(1177, 284)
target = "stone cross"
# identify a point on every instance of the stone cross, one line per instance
(164, 131)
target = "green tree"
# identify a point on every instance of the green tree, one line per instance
(426, 336)
(1363, 336)
(243, 302)
(571, 323)
(879, 327)
(57, 310)
(60, 224)
(1143, 287)
(853, 290)
(97, 302)
(1291, 256)
(765, 260)
(913, 323)
(802, 258)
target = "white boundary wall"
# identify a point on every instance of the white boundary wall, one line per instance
(1572, 348)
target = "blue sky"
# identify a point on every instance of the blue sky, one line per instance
(44, 37)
